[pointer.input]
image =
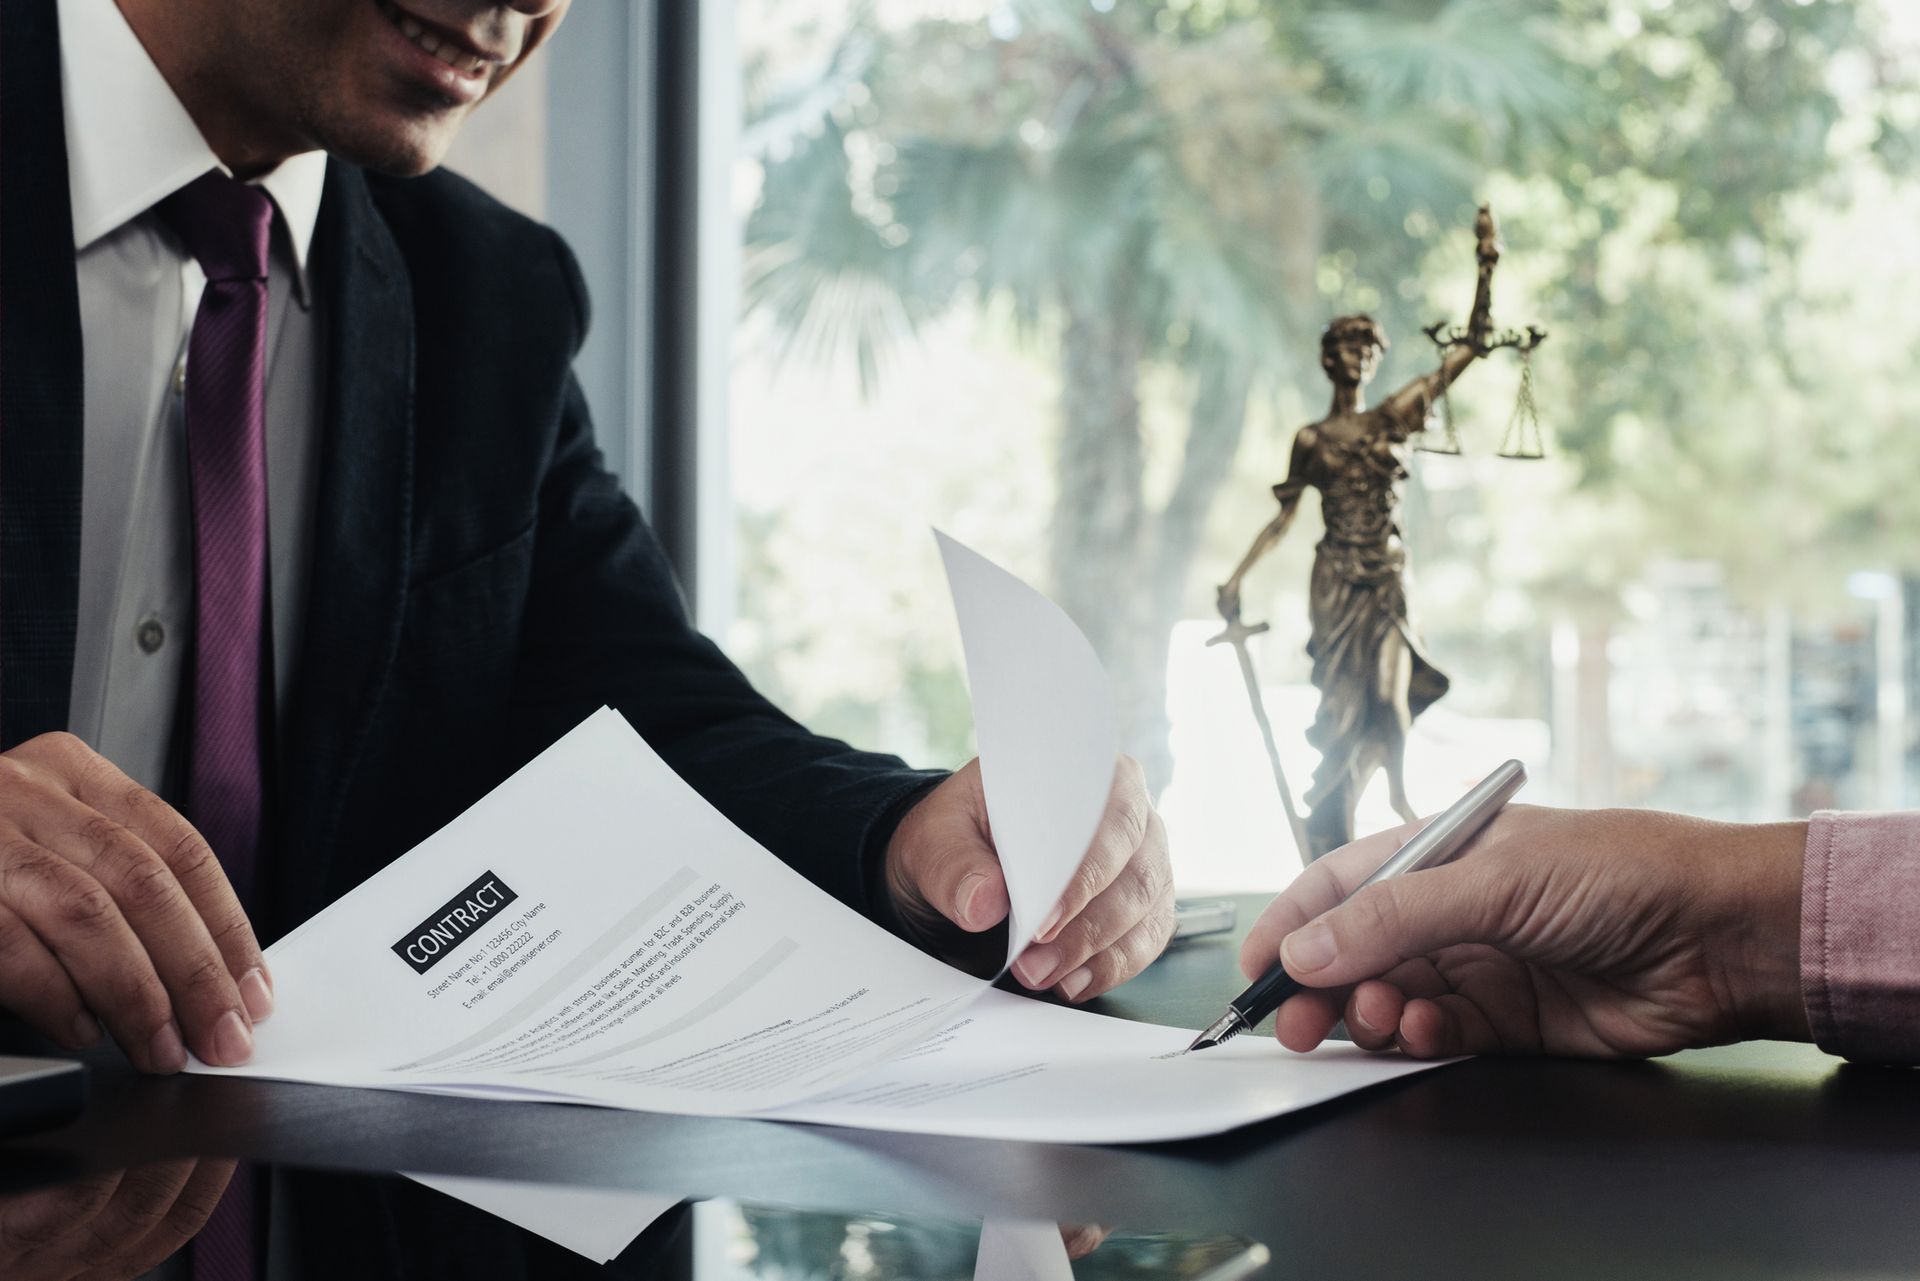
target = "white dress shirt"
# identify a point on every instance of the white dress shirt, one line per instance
(130, 144)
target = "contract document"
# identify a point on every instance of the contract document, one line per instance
(594, 932)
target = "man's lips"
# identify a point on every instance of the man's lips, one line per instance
(452, 48)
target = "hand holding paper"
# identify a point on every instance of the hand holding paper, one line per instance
(114, 912)
(1114, 919)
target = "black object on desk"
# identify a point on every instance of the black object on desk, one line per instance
(38, 1094)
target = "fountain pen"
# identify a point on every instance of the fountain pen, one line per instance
(1431, 846)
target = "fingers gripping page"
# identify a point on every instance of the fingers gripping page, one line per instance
(1043, 714)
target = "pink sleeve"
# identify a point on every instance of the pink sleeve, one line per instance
(1860, 935)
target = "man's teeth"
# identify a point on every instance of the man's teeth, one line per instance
(444, 50)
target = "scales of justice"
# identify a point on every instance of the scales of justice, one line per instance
(1368, 663)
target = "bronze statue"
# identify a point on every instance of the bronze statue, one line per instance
(1368, 665)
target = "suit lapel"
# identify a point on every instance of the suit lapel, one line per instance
(362, 532)
(40, 383)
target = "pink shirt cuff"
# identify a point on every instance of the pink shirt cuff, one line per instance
(1860, 935)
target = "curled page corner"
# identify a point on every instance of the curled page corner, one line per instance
(1043, 716)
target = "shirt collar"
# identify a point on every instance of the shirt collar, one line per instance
(130, 144)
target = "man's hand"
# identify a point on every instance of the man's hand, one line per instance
(119, 1224)
(1610, 933)
(1114, 918)
(1082, 1239)
(114, 911)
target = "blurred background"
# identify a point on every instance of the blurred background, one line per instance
(1050, 274)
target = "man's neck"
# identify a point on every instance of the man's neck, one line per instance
(168, 29)
(1347, 400)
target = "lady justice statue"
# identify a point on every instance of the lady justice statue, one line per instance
(1368, 664)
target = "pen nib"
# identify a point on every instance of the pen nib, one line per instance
(1221, 1030)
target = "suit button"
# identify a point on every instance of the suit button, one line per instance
(150, 635)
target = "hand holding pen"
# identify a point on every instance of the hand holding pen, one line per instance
(1611, 933)
(1432, 845)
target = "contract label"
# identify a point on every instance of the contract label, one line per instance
(427, 943)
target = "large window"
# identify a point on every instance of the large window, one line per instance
(1052, 274)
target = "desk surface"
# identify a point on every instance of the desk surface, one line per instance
(1765, 1160)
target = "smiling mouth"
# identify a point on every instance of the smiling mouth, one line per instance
(433, 43)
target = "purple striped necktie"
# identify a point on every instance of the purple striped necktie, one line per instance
(226, 224)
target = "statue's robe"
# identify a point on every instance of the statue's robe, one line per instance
(1358, 606)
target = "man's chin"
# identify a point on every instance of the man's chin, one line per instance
(401, 148)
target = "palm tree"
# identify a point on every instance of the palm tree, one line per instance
(1141, 197)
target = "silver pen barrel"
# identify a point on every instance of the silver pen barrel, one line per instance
(1441, 839)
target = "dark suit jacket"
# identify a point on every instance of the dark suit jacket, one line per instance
(479, 583)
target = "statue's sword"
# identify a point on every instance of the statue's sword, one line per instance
(1236, 635)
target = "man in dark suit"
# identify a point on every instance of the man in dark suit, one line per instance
(305, 543)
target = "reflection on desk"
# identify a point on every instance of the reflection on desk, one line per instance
(128, 1223)
(116, 1224)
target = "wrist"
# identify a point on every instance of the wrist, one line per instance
(1760, 867)
(880, 854)
(910, 916)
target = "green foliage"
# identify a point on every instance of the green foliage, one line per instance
(1476, 64)
(1038, 169)
(1229, 173)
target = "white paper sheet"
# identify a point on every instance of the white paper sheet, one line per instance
(594, 932)
(1021, 1250)
(651, 956)
(1015, 1068)
(596, 1222)
(1043, 716)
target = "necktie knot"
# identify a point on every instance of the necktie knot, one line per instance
(224, 223)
